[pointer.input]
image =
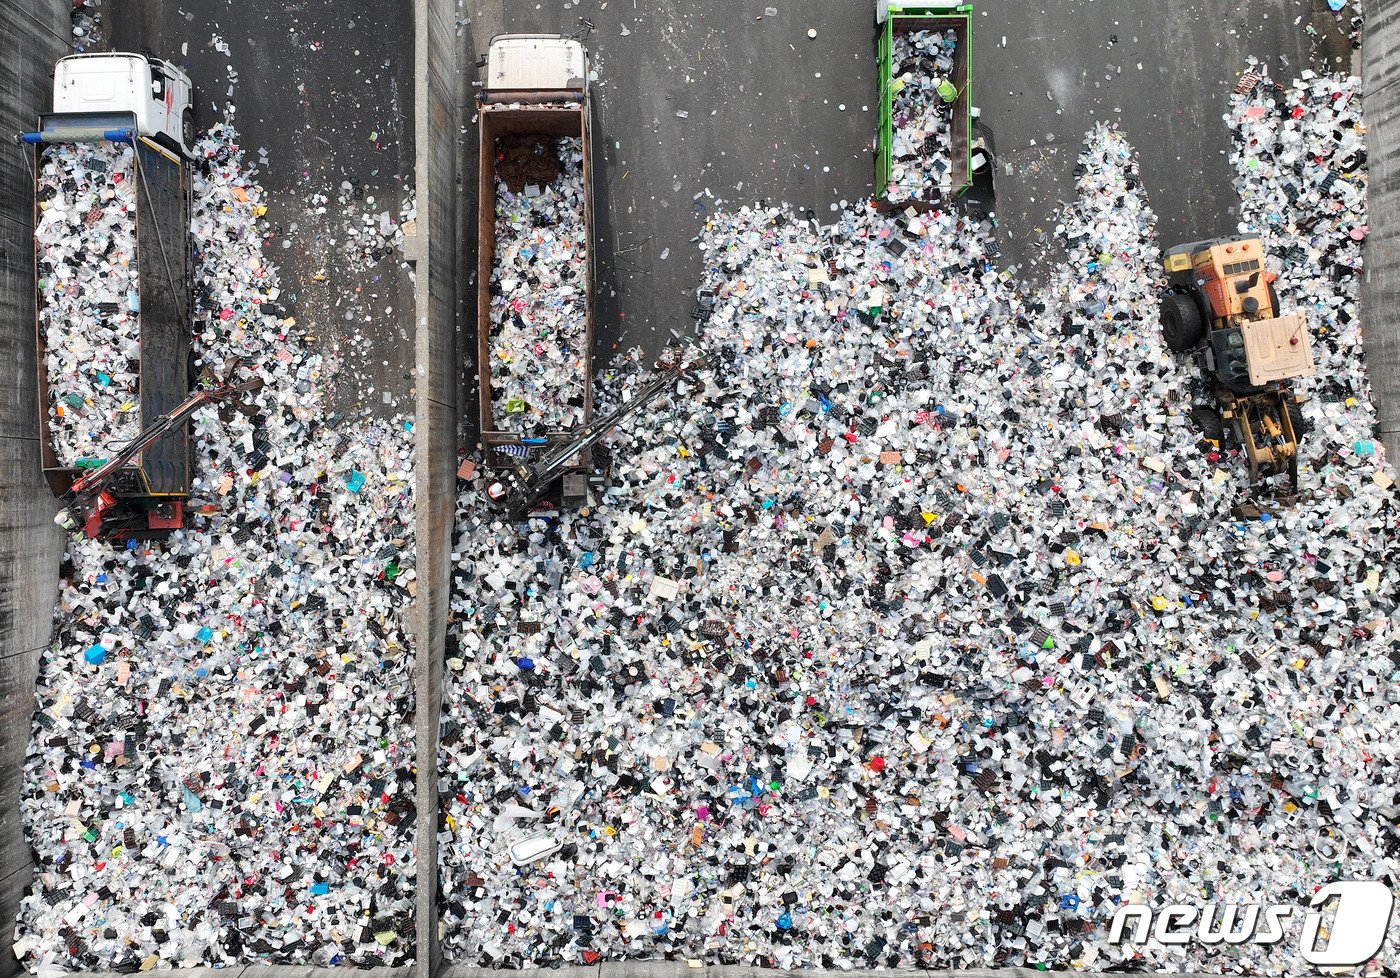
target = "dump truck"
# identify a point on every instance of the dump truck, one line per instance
(536, 88)
(113, 99)
(971, 146)
(1220, 306)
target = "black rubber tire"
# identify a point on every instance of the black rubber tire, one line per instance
(1231, 435)
(1300, 424)
(1181, 323)
(1273, 300)
(187, 130)
(1210, 424)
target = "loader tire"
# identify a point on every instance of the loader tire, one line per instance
(1273, 300)
(1300, 424)
(1211, 426)
(1181, 323)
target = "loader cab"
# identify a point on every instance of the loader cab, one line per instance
(1221, 302)
(158, 93)
(1234, 280)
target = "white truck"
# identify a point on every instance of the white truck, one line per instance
(535, 85)
(159, 94)
(110, 100)
(531, 64)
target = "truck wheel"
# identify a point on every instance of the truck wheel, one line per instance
(1181, 323)
(1273, 300)
(187, 133)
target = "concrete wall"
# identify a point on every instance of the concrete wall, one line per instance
(438, 89)
(33, 34)
(1380, 296)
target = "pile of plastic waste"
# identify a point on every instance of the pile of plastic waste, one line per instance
(221, 768)
(921, 163)
(921, 632)
(539, 295)
(89, 303)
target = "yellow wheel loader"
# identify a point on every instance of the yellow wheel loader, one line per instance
(1220, 307)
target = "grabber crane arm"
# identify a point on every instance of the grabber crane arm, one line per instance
(88, 498)
(522, 486)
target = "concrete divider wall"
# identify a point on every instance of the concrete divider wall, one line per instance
(1380, 295)
(33, 34)
(438, 84)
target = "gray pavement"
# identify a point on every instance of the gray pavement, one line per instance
(1380, 296)
(32, 36)
(1162, 71)
(765, 120)
(326, 87)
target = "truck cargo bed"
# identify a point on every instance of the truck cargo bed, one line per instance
(163, 262)
(560, 114)
(905, 20)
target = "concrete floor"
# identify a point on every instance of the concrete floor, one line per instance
(326, 87)
(1380, 296)
(32, 36)
(1162, 71)
(775, 114)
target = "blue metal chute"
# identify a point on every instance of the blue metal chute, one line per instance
(84, 127)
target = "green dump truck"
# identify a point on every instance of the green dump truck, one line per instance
(912, 167)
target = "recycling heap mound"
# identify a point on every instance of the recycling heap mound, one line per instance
(539, 290)
(221, 768)
(920, 633)
(89, 309)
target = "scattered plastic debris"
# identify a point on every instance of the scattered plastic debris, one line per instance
(221, 768)
(86, 19)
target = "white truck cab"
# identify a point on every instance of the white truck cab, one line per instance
(536, 63)
(159, 94)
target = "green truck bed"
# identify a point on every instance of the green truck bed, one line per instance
(900, 19)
